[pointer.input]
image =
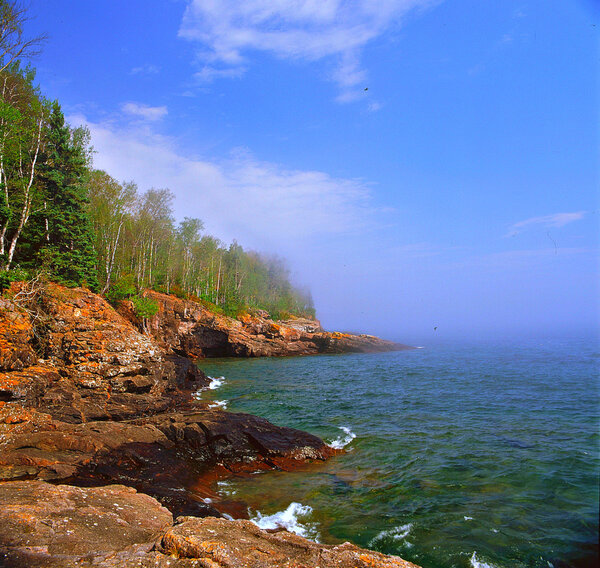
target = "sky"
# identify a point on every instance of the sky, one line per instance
(420, 164)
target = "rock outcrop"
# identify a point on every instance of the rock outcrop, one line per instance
(43, 525)
(187, 327)
(102, 440)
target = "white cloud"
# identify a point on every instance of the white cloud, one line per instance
(547, 221)
(147, 69)
(309, 30)
(144, 112)
(208, 74)
(262, 204)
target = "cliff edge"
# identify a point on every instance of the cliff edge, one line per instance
(188, 328)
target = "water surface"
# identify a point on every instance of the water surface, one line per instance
(464, 455)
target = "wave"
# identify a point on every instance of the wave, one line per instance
(478, 563)
(219, 404)
(288, 520)
(397, 533)
(342, 441)
(216, 382)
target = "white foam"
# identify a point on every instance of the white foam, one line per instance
(216, 382)
(479, 564)
(224, 488)
(342, 441)
(288, 520)
(218, 404)
(397, 533)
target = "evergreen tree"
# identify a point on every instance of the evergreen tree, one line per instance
(62, 229)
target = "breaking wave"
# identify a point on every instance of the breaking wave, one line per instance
(216, 382)
(342, 441)
(289, 520)
(218, 404)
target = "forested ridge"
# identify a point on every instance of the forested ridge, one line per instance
(76, 225)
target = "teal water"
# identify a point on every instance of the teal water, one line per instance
(465, 455)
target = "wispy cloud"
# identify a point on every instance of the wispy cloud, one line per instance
(144, 112)
(310, 30)
(146, 69)
(208, 74)
(374, 106)
(547, 221)
(263, 204)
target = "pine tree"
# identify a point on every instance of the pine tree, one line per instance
(62, 227)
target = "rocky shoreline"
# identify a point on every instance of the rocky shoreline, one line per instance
(103, 445)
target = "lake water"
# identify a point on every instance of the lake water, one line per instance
(483, 455)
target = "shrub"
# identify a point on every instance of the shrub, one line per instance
(14, 275)
(144, 307)
(122, 288)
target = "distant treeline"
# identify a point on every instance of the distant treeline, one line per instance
(81, 227)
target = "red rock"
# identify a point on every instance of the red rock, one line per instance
(60, 525)
(190, 329)
(241, 544)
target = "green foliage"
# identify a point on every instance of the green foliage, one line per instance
(144, 307)
(14, 275)
(69, 254)
(123, 288)
(85, 228)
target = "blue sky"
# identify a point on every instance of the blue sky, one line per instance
(419, 163)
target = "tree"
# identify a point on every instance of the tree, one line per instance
(23, 117)
(111, 204)
(13, 43)
(63, 227)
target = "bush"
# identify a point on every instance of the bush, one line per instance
(14, 275)
(144, 307)
(123, 288)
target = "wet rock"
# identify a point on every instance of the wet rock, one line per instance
(235, 439)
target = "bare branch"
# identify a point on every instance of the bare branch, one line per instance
(13, 43)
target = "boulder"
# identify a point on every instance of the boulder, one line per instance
(241, 544)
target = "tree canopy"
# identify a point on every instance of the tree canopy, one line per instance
(84, 228)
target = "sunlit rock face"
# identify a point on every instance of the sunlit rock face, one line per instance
(192, 330)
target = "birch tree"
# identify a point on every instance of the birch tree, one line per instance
(23, 118)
